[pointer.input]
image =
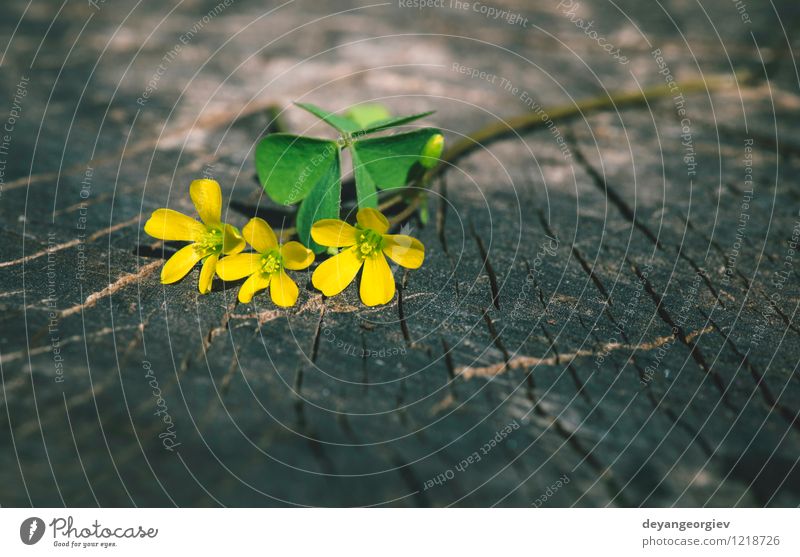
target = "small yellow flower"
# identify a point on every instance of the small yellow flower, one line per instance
(366, 245)
(210, 238)
(267, 267)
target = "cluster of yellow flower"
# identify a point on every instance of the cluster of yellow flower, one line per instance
(366, 245)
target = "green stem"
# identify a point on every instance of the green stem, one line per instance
(533, 121)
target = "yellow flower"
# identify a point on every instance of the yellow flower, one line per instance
(209, 238)
(366, 245)
(267, 267)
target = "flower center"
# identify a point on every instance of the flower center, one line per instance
(271, 262)
(211, 241)
(369, 242)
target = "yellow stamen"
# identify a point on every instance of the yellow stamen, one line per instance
(369, 242)
(271, 262)
(211, 241)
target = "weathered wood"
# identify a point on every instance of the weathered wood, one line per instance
(580, 283)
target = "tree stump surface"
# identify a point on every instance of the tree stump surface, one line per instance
(599, 321)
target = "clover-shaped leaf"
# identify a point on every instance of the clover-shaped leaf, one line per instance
(296, 169)
(387, 123)
(367, 114)
(386, 162)
(344, 125)
(322, 203)
(290, 166)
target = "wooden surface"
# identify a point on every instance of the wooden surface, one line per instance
(595, 312)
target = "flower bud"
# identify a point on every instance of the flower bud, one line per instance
(432, 151)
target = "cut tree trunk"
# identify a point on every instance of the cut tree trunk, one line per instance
(599, 320)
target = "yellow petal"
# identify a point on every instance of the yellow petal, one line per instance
(238, 266)
(259, 235)
(334, 274)
(207, 273)
(377, 282)
(232, 240)
(181, 263)
(256, 282)
(373, 219)
(283, 290)
(166, 224)
(207, 198)
(334, 233)
(296, 256)
(404, 250)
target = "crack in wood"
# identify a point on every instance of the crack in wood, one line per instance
(401, 467)
(696, 436)
(694, 350)
(20, 354)
(600, 182)
(581, 260)
(206, 122)
(629, 214)
(113, 288)
(487, 266)
(793, 418)
(530, 273)
(71, 244)
(517, 362)
(448, 359)
(401, 314)
(570, 437)
(495, 335)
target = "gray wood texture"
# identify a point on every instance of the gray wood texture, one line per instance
(596, 320)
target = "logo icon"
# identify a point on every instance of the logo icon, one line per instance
(31, 530)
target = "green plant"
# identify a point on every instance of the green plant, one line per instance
(306, 170)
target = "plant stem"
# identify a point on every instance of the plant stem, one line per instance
(533, 121)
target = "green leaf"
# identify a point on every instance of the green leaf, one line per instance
(391, 123)
(290, 166)
(344, 125)
(367, 114)
(389, 160)
(366, 192)
(322, 203)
